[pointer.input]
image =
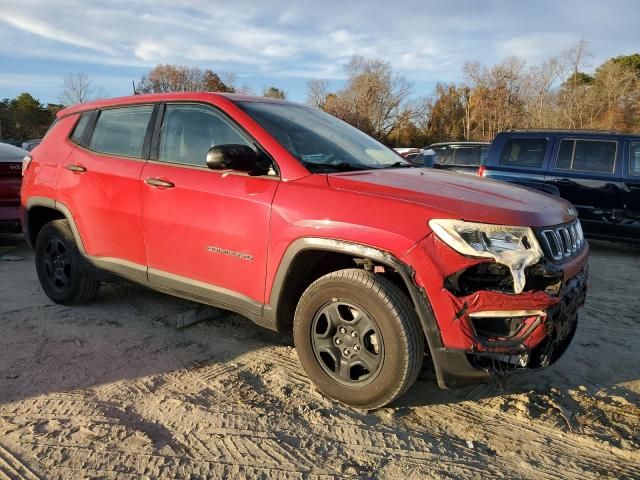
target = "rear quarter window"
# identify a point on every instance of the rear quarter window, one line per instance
(634, 159)
(590, 156)
(121, 131)
(469, 156)
(524, 152)
(81, 126)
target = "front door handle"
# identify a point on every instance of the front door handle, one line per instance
(160, 183)
(76, 168)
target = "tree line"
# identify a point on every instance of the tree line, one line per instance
(182, 78)
(24, 117)
(558, 92)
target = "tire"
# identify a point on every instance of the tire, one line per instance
(390, 343)
(60, 266)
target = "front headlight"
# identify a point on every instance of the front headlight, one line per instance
(515, 247)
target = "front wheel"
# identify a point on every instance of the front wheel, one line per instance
(60, 267)
(358, 338)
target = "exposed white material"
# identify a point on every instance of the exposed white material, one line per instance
(504, 243)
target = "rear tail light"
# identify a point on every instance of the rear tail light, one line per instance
(482, 171)
(26, 161)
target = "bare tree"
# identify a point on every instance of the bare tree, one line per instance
(574, 59)
(100, 92)
(498, 95)
(539, 98)
(182, 78)
(466, 122)
(574, 97)
(373, 97)
(77, 88)
(230, 79)
(559, 92)
(317, 91)
(244, 89)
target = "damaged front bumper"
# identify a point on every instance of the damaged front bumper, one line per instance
(538, 337)
(485, 331)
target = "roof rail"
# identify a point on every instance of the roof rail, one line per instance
(569, 130)
(463, 142)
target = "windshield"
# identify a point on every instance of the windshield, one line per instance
(320, 141)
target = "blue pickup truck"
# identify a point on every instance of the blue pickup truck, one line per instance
(599, 172)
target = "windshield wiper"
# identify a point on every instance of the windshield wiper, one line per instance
(401, 165)
(338, 167)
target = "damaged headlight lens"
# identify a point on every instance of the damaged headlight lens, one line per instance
(515, 247)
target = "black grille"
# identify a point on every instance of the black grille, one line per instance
(562, 242)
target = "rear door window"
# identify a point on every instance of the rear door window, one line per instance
(590, 156)
(524, 152)
(634, 159)
(121, 131)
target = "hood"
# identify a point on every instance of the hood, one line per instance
(466, 197)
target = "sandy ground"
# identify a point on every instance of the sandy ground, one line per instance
(113, 390)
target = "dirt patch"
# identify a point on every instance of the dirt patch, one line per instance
(113, 390)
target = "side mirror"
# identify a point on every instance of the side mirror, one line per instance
(236, 157)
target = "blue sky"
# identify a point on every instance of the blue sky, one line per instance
(284, 44)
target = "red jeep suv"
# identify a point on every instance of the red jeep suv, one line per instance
(302, 223)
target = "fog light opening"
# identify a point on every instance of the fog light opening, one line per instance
(501, 324)
(524, 359)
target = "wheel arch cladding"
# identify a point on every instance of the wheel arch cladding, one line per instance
(39, 212)
(277, 311)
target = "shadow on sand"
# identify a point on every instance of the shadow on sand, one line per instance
(129, 332)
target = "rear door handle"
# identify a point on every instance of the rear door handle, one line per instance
(158, 182)
(76, 168)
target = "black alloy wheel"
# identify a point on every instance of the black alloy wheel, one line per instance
(60, 266)
(358, 337)
(57, 264)
(347, 343)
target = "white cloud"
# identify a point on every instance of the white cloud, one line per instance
(226, 35)
(537, 46)
(428, 40)
(48, 31)
(149, 50)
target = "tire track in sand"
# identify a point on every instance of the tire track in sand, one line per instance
(11, 468)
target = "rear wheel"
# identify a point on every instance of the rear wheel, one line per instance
(60, 268)
(358, 338)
